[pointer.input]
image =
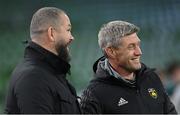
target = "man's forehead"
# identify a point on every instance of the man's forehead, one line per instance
(133, 38)
(65, 20)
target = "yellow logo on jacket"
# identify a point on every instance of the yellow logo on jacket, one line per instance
(153, 93)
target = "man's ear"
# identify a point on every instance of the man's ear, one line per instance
(110, 52)
(51, 33)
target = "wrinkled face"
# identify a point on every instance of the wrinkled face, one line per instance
(63, 38)
(128, 54)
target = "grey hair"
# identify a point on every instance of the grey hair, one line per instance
(43, 18)
(110, 33)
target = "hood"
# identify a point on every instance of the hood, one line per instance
(103, 75)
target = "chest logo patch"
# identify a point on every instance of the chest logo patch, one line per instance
(153, 93)
(122, 102)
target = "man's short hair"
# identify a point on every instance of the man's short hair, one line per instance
(110, 33)
(43, 18)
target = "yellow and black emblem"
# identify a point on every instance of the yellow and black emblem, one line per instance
(153, 93)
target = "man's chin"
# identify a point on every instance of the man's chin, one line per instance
(67, 48)
(135, 67)
(63, 53)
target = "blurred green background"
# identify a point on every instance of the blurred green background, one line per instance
(158, 20)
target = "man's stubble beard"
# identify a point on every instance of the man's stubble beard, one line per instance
(63, 52)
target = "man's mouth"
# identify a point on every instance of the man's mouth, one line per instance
(136, 59)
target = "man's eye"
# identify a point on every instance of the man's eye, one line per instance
(131, 47)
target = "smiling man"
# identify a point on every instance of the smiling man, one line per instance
(122, 84)
(38, 84)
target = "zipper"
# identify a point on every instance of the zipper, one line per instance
(142, 106)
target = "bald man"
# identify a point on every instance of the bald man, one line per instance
(38, 84)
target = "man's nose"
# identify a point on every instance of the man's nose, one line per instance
(138, 51)
(71, 39)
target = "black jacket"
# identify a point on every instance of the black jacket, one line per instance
(38, 84)
(107, 94)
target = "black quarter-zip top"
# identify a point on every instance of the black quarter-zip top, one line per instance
(107, 94)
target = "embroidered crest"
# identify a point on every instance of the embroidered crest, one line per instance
(153, 93)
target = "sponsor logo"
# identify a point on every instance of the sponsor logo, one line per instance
(122, 102)
(153, 93)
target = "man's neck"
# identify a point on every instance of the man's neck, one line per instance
(122, 72)
(129, 77)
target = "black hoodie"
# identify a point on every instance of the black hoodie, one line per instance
(107, 94)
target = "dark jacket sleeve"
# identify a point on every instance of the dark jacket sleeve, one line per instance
(33, 94)
(89, 102)
(169, 107)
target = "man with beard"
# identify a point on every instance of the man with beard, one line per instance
(122, 84)
(38, 84)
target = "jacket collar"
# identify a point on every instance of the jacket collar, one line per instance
(38, 53)
(104, 76)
